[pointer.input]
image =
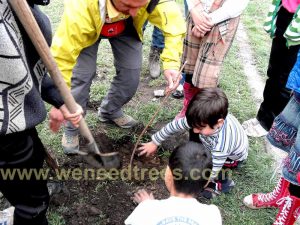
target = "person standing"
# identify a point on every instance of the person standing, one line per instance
(211, 28)
(120, 21)
(284, 135)
(282, 25)
(24, 84)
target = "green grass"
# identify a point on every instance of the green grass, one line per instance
(255, 174)
(253, 19)
(54, 218)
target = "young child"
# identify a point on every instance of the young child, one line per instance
(284, 134)
(211, 29)
(221, 134)
(187, 173)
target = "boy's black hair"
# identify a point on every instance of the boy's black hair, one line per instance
(207, 107)
(191, 166)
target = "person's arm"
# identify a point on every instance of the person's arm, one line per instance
(193, 3)
(200, 17)
(141, 213)
(168, 18)
(230, 9)
(218, 160)
(49, 92)
(59, 112)
(170, 129)
(79, 28)
(292, 33)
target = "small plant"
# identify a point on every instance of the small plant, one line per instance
(55, 219)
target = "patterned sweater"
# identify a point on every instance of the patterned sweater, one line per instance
(230, 142)
(292, 33)
(24, 82)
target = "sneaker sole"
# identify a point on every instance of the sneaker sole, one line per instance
(71, 151)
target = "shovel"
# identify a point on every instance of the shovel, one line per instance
(93, 156)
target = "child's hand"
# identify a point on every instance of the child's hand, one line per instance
(147, 148)
(142, 195)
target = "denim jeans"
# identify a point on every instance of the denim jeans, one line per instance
(284, 135)
(186, 9)
(158, 39)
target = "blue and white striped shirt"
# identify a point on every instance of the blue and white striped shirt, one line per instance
(230, 142)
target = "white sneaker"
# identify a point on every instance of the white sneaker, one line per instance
(253, 128)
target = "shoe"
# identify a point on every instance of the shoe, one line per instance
(211, 191)
(289, 211)
(253, 128)
(214, 189)
(227, 185)
(189, 92)
(178, 93)
(268, 200)
(124, 121)
(70, 144)
(54, 187)
(154, 62)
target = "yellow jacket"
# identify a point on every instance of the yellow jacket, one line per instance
(82, 22)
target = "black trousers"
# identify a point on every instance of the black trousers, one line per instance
(30, 197)
(282, 60)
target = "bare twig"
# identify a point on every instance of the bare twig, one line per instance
(153, 117)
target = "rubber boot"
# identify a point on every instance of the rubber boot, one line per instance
(189, 92)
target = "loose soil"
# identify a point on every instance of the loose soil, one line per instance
(109, 201)
(99, 201)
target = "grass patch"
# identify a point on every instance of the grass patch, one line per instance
(253, 19)
(54, 218)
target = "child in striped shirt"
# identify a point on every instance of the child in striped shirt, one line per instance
(208, 122)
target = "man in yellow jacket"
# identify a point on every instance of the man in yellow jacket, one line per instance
(75, 45)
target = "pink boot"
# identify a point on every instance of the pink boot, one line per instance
(189, 92)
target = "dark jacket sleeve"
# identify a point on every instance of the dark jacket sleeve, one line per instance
(50, 94)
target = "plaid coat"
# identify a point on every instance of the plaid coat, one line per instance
(205, 55)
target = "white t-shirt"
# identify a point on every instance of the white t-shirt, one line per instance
(174, 211)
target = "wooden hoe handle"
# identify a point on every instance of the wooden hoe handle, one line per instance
(28, 21)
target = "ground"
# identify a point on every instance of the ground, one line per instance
(109, 202)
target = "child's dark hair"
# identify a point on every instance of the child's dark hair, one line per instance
(191, 166)
(207, 107)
